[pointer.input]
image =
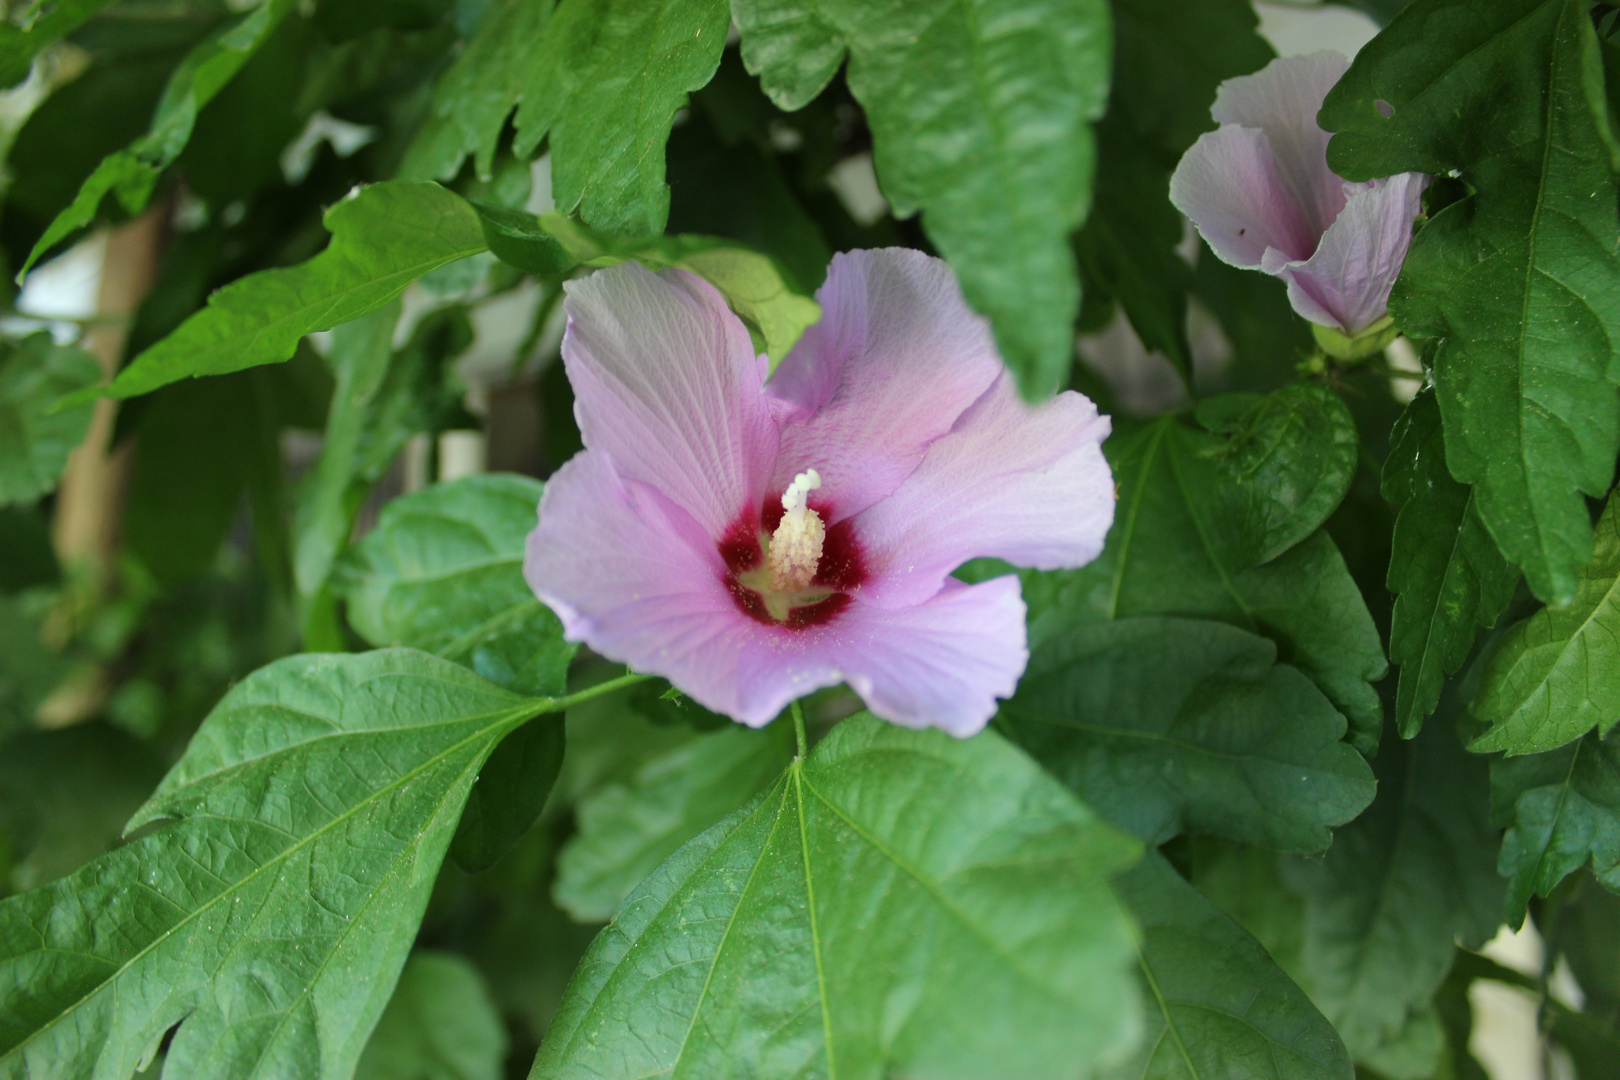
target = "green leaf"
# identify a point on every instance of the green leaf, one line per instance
(1397, 888)
(603, 89)
(34, 441)
(1223, 1008)
(899, 903)
(1228, 526)
(1556, 675)
(1562, 811)
(627, 829)
(383, 238)
(1448, 577)
(43, 26)
(270, 915)
(440, 1025)
(443, 572)
(980, 118)
(1176, 725)
(132, 173)
(511, 791)
(1517, 280)
(522, 240)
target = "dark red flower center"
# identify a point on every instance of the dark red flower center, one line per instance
(840, 572)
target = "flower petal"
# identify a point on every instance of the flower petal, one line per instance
(667, 384)
(1229, 186)
(1282, 99)
(1346, 282)
(894, 360)
(1029, 485)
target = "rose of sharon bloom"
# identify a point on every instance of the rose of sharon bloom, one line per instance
(1259, 190)
(754, 541)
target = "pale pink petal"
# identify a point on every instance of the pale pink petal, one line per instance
(667, 384)
(894, 360)
(1228, 186)
(1021, 483)
(1282, 99)
(1346, 282)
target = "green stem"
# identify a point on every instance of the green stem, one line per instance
(561, 703)
(798, 729)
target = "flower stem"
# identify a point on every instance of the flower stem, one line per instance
(798, 729)
(630, 679)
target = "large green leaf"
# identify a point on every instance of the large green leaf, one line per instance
(1520, 280)
(1398, 887)
(271, 913)
(980, 118)
(383, 238)
(43, 26)
(627, 829)
(1177, 725)
(1223, 1007)
(440, 1025)
(1556, 675)
(603, 89)
(1227, 526)
(1562, 811)
(132, 173)
(900, 903)
(34, 441)
(1446, 573)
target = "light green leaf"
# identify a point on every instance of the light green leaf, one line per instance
(383, 238)
(1398, 887)
(1222, 1008)
(1562, 811)
(898, 904)
(1448, 577)
(440, 1025)
(34, 441)
(1176, 725)
(271, 914)
(1556, 675)
(133, 172)
(603, 89)
(980, 118)
(1519, 280)
(627, 829)
(43, 25)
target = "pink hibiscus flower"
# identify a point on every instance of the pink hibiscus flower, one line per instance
(754, 541)
(1259, 190)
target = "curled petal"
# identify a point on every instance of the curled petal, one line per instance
(666, 383)
(894, 360)
(1021, 483)
(1228, 185)
(1282, 100)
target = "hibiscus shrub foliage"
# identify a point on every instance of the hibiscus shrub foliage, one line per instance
(1165, 623)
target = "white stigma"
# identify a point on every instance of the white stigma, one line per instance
(796, 544)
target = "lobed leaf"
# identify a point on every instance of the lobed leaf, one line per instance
(34, 441)
(980, 118)
(1518, 280)
(928, 906)
(441, 1024)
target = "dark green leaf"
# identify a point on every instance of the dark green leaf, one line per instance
(1556, 675)
(980, 119)
(1519, 278)
(899, 903)
(511, 791)
(25, 537)
(29, 669)
(627, 829)
(132, 173)
(439, 1025)
(1562, 811)
(1224, 1009)
(603, 88)
(521, 240)
(34, 441)
(1176, 725)
(443, 572)
(310, 814)
(1447, 575)
(383, 238)
(40, 29)
(1397, 888)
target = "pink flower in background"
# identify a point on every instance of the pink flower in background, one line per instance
(1259, 190)
(753, 541)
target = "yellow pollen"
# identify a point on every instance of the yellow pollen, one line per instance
(796, 545)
